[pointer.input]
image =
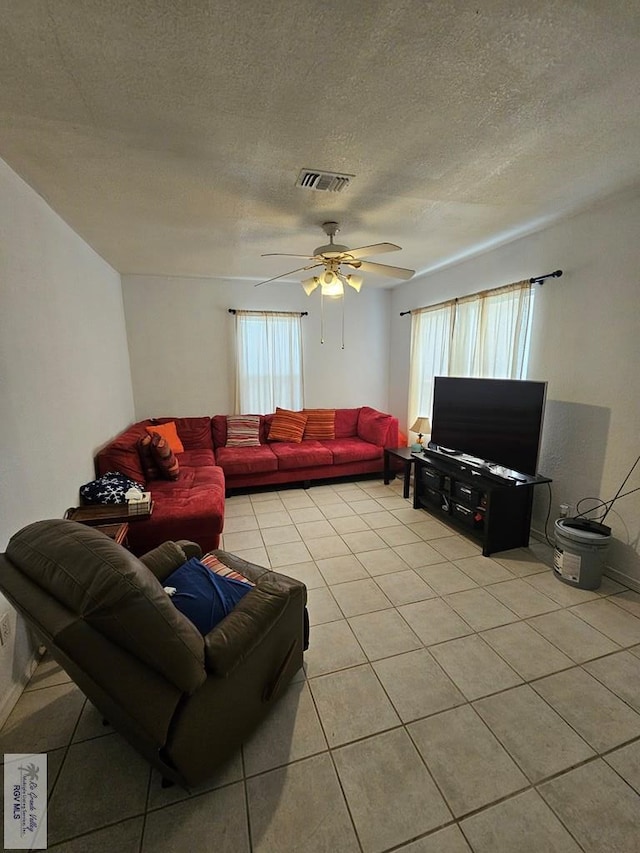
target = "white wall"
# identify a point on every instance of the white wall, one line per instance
(181, 343)
(585, 344)
(65, 384)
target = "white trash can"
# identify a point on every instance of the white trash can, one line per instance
(581, 546)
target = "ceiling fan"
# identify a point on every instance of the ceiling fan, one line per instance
(332, 257)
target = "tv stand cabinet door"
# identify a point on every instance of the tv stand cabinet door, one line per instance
(508, 519)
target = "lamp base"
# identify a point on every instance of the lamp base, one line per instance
(416, 448)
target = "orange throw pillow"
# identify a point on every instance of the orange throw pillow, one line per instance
(169, 432)
(287, 426)
(321, 423)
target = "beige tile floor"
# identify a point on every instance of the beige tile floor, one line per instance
(449, 703)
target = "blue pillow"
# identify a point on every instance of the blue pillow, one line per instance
(203, 596)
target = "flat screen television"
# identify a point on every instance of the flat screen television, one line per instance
(498, 420)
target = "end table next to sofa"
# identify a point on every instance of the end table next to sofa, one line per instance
(407, 457)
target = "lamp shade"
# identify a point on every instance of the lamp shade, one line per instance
(421, 426)
(310, 284)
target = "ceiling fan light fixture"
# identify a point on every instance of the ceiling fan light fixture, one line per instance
(331, 285)
(354, 281)
(310, 284)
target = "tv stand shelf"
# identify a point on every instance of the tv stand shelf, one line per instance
(489, 502)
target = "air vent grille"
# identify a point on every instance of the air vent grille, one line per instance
(328, 182)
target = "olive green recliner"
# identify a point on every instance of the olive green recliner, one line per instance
(184, 701)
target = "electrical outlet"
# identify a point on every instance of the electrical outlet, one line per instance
(564, 510)
(5, 629)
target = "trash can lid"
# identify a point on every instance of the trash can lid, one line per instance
(580, 528)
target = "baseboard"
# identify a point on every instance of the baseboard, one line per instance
(17, 688)
(609, 571)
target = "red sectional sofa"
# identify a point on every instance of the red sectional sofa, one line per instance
(192, 507)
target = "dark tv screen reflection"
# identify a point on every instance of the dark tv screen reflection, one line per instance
(498, 420)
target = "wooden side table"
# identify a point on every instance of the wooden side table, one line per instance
(407, 457)
(117, 532)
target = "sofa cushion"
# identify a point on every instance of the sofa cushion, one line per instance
(193, 432)
(301, 455)
(122, 454)
(352, 450)
(202, 595)
(151, 471)
(243, 431)
(347, 423)
(164, 457)
(321, 423)
(246, 460)
(169, 432)
(373, 426)
(287, 425)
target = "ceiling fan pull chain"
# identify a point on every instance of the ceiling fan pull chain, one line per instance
(321, 317)
(343, 322)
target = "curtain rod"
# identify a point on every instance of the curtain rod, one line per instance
(301, 313)
(537, 280)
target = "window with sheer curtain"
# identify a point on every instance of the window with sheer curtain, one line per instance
(486, 335)
(269, 369)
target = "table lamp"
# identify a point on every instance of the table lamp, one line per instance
(421, 426)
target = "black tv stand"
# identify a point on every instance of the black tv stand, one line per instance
(486, 500)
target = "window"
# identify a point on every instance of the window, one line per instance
(485, 335)
(268, 362)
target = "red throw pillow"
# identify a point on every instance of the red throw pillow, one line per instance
(287, 426)
(321, 423)
(170, 432)
(164, 457)
(373, 426)
(147, 460)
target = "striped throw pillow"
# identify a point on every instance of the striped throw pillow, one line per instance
(149, 466)
(321, 423)
(217, 566)
(287, 426)
(243, 430)
(164, 457)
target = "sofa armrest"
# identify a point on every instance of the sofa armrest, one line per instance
(249, 623)
(164, 559)
(191, 549)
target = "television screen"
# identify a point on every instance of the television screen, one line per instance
(499, 420)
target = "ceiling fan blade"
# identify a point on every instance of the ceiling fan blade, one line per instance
(286, 255)
(284, 274)
(385, 269)
(376, 249)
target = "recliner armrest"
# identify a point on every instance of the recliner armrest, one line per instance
(164, 559)
(233, 639)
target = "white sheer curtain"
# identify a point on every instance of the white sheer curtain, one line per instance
(485, 335)
(269, 368)
(431, 330)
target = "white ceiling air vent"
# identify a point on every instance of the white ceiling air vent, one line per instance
(328, 182)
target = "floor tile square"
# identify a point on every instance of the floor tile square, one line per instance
(383, 634)
(286, 804)
(334, 647)
(91, 724)
(524, 823)
(352, 705)
(417, 685)
(315, 529)
(479, 609)
(428, 528)
(287, 554)
(240, 523)
(536, 737)
(419, 554)
(304, 514)
(474, 667)
(446, 578)
(434, 621)
(291, 731)
(412, 516)
(572, 635)
(382, 562)
(626, 762)
(242, 541)
(483, 570)
(306, 572)
(621, 674)
(597, 714)
(526, 651)
(562, 593)
(364, 505)
(327, 546)
(356, 597)
(341, 569)
(47, 673)
(522, 598)
(469, 765)
(391, 796)
(74, 808)
(379, 520)
(404, 587)
(366, 540)
(348, 524)
(273, 519)
(393, 502)
(42, 719)
(398, 534)
(447, 840)
(600, 810)
(629, 601)
(230, 771)
(337, 510)
(280, 535)
(456, 547)
(322, 606)
(324, 498)
(259, 556)
(521, 562)
(268, 505)
(621, 627)
(296, 499)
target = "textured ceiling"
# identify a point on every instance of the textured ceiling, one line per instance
(170, 134)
